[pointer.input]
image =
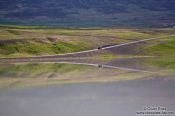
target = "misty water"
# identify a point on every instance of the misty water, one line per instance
(121, 87)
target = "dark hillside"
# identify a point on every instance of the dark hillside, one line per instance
(142, 13)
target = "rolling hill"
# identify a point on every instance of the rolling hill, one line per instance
(89, 13)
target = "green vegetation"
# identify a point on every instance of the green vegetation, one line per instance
(17, 41)
(163, 47)
(37, 48)
(35, 69)
(30, 74)
(165, 63)
(37, 74)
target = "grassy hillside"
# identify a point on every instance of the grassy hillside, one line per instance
(19, 41)
(33, 41)
(164, 47)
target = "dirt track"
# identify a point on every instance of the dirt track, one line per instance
(77, 55)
